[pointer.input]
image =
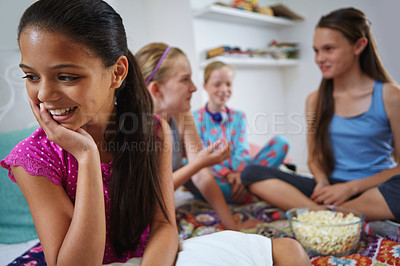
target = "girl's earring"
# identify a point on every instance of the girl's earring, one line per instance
(115, 100)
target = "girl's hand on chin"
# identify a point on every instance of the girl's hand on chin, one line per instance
(79, 143)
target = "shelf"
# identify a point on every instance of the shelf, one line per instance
(235, 15)
(252, 62)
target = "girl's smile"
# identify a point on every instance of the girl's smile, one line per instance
(62, 114)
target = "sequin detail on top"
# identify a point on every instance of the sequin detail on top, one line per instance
(41, 157)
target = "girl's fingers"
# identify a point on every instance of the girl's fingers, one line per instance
(72, 141)
(46, 117)
(313, 196)
(214, 145)
(37, 112)
(42, 116)
(225, 144)
(48, 124)
(317, 193)
(35, 109)
(325, 198)
(43, 113)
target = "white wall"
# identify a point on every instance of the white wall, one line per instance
(159, 21)
(15, 112)
(262, 87)
(10, 13)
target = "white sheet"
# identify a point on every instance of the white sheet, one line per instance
(181, 197)
(226, 248)
(9, 252)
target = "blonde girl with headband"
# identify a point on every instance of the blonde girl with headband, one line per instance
(353, 122)
(218, 121)
(95, 199)
(168, 73)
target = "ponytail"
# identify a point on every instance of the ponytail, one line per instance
(135, 188)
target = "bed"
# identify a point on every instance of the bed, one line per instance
(196, 218)
(17, 232)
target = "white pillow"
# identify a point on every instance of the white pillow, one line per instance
(226, 248)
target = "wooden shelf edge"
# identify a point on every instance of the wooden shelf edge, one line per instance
(251, 62)
(240, 16)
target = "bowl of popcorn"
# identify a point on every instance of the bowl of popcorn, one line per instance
(326, 230)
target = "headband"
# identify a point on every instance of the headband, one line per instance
(158, 64)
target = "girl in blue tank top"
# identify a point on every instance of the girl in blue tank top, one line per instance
(353, 121)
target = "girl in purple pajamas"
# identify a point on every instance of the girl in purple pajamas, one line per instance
(216, 121)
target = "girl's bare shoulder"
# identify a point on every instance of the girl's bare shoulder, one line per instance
(311, 100)
(391, 94)
(391, 100)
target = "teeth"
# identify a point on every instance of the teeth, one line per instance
(61, 111)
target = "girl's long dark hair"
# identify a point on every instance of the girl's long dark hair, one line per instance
(135, 186)
(353, 24)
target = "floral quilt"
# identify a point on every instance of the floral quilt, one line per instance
(195, 218)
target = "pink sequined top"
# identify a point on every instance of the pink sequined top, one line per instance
(41, 157)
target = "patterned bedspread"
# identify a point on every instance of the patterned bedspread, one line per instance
(195, 218)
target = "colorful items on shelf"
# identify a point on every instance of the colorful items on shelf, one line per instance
(251, 5)
(226, 51)
(277, 10)
(274, 50)
(285, 49)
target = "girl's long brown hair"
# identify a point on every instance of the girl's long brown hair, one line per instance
(353, 24)
(135, 190)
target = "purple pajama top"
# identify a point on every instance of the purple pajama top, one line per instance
(41, 157)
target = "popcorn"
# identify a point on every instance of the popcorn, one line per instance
(327, 232)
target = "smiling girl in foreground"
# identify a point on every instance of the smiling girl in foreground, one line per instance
(94, 198)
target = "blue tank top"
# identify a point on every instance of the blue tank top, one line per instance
(362, 145)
